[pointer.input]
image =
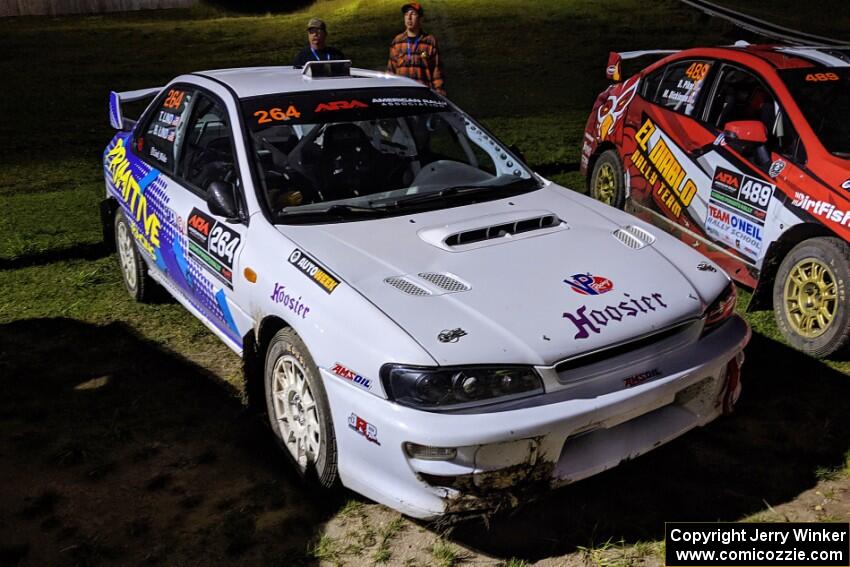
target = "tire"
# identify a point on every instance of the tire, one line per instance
(607, 183)
(134, 271)
(810, 297)
(298, 409)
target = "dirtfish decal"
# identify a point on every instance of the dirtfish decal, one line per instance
(132, 192)
(657, 164)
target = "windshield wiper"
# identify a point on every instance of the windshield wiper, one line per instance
(459, 191)
(336, 210)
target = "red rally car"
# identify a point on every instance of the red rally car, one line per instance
(743, 152)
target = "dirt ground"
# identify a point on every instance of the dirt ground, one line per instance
(116, 451)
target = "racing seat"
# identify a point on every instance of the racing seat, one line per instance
(347, 162)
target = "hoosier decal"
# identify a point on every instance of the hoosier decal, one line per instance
(317, 273)
(597, 319)
(213, 244)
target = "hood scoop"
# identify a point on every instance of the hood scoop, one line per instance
(634, 237)
(492, 229)
(447, 283)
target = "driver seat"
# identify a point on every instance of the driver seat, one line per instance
(347, 162)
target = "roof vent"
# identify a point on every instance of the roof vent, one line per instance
(445, 281)
(406, 286)
(634, 237)
(501, 230)
(327, 69)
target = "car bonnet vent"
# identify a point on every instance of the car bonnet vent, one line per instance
(501, 230)
(634, 237)
(445, 281)
(406, 286)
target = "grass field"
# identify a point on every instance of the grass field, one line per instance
(105, 452)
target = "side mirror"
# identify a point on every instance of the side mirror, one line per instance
(752, 131)
(221, 199)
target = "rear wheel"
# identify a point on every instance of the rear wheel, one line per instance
(607, 183)
(298, 408)
(134, 271)
(809, 296)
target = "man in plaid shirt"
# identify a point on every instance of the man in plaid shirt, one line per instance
(414, 54)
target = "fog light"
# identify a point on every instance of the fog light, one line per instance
(426, 453)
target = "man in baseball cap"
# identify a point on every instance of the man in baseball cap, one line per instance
(414, 53)
(317, 50)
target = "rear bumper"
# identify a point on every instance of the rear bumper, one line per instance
(504, 456)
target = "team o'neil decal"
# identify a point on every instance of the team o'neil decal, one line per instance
(317, 273)
(588, 284)
(213, 244)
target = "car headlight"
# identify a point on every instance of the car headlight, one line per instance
(436, 388)
(723, 307)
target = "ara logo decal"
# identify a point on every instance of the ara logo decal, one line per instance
(364, 428)
(587, 284)
(341, 105)
(727, 181)
(613, 108)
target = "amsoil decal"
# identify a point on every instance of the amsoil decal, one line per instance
(213, 244)
(747, 194)
(587, 284)
(364, 428)
(823, 209)
(317, 273)
(637, 379)
(742, 233)
(595, 320)
(133, 194)
(655, 161)
(351, 375)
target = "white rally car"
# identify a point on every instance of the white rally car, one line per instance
(432, 324)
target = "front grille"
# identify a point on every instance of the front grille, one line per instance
(621, 349)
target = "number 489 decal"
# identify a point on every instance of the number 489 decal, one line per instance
(756, 193)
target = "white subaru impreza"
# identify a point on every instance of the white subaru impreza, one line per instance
(433, 325)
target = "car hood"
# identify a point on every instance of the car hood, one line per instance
(510, 299)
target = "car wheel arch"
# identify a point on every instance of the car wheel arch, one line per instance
(762, 298)
(254, 348)
(601, 148)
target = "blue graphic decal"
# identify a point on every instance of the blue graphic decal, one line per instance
(228, 318)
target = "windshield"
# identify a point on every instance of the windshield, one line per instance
(331, 155)
(823, 94)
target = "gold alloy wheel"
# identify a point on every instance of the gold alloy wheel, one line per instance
(605, 187)
(811, 298)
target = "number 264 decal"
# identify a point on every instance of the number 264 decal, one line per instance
(276, 114)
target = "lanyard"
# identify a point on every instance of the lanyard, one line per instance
(316, 55)
(415, 45)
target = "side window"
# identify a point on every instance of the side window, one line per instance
(206, 151)
(157, 141)
(740, 95)
(680, 86)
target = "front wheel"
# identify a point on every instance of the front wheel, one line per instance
(298, 408)
(607, 182)
(809, 296)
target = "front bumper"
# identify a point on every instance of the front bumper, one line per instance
(503, 456)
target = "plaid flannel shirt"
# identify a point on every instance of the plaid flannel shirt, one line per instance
(423, 64)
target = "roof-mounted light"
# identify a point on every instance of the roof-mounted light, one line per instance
(327, 69)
